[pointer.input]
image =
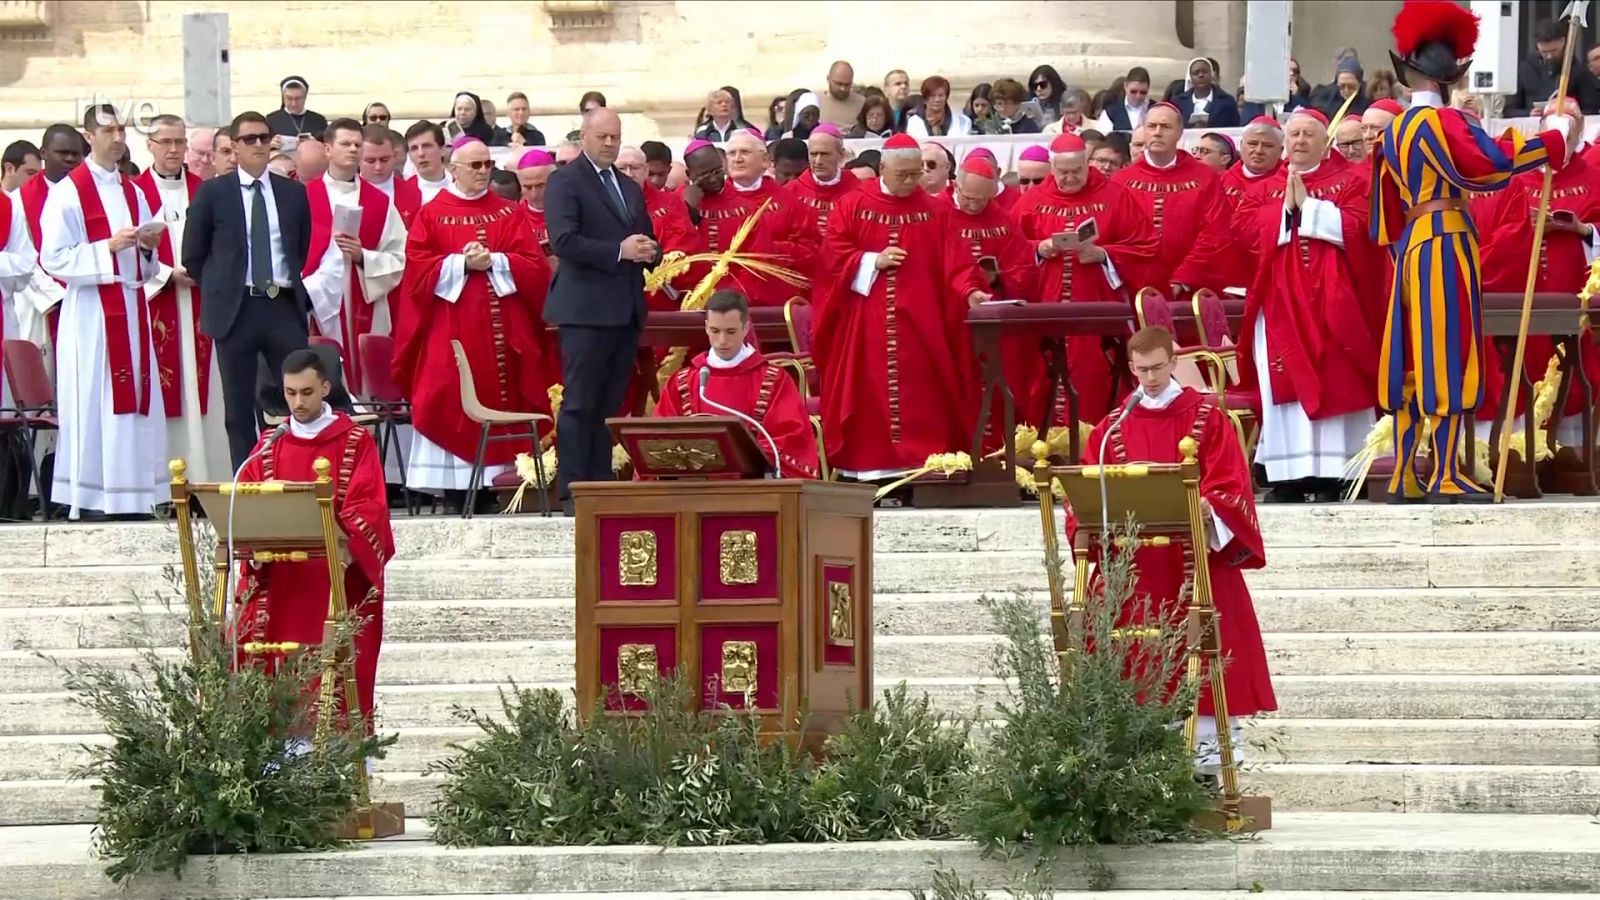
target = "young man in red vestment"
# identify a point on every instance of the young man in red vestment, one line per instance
(288, 601)
(1164, 415)
(723, 201)
(1312, 321)
(1505, 219)
(381, 153)
(892, 347)
(734, 374)
(1184, 200)
(820, 187)
(474, 275)
(1102, 268)
(1260, 155)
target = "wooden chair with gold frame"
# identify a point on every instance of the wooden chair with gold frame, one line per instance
(278, 522)
(1164, 498)
(1151, 308)
(797, 320)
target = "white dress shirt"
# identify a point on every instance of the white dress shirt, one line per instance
(280, 262)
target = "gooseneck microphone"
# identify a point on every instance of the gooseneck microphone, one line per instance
(233, 497)
(1105, 514)
(705, 378)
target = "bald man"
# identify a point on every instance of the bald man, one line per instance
(824, 182)
(840, 103)
(725, 196)
(601, 232)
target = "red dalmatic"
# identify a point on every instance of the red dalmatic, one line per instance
(1191, 216)
(1237, 180)
(1322, 303)
(164, 317)
(782, 237)
(1130, 243)
(1152, 435)
(513, 361)
(819, 199)
(288, 601)
(898, 380)
(761, 391)
(1505, 221)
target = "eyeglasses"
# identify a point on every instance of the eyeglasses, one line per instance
(478, 165)
(1350, 146)
(929, 165)
(254, 139)
(1029, 182)
(375, 119)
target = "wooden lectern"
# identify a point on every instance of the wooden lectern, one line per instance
(276, 522)
(1164, 499)
(759, 590)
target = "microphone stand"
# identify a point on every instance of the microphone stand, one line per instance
(227, 578)
(705, 378)
(1105, 514)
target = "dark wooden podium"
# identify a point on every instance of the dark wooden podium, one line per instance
(757, 590)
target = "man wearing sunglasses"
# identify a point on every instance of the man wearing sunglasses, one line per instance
(245, 243)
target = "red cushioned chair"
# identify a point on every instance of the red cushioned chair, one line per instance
(384, 400)
(35, 396)
(797, 319)
(1202, 367)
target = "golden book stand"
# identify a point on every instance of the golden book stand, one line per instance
(1164, 498)
(282, 522)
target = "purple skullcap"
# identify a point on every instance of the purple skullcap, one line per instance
(463, 140)
(536, 157)
(756, 133)
(829, 129)
(1034, 153)
(695, 145)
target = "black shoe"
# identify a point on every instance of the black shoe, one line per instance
(1404, 499)
(1328, 490)
(1290, 492)
(569, 508)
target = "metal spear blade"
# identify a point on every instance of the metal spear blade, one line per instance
(1577, 10)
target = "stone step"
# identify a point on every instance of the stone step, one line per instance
(1304, 852)
(1350, 697)
(431, 537)
(1352, 610)
(1527, 790)
(926, 656)
(996, 894)
(1484, 742)
(996, 572)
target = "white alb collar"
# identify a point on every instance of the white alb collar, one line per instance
(830, 182)
(1163, 399)
(315, 426)
(451, 187)
(1426, 98)
(743, 189)
(713, 361)
(103, 176)
(1155, 165)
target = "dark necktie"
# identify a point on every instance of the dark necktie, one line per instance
(609, 178)
(260, 239)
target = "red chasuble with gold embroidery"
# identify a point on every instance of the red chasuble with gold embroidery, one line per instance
(761, 391)
(1191, 216)
(898, 378)
(289, 601)
(513, 361)
(1006, 261)
(782, 236)
(1152, 435)
(819, 199)
(1129, 240)
(1323, 304)
(1505, 221)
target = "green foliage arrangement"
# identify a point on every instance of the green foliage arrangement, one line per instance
(197, 761)
(1090, 753)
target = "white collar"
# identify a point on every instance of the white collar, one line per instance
(713, 361)
(168, 180)
(315, 426)
(246, 179)
(1310, 170)
(1155, 165)
(1249, 174)
(333, 182)
(745, 190)
(835, 180)
(1163, 399)
(443, 179)
(451, 187)
(1139, 106)
(387, 186)
(1426, 98)
(597, 167)
(103, 176)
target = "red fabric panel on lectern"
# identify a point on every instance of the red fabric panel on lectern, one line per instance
(765, 637)
(765, 528)
(612, 589)
(839, 654)
(663, 637)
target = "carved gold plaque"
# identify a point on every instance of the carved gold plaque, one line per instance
(672, 454)
(737, 560)
(841, 614)
(636, 668)
(636, 558)
(739, 667)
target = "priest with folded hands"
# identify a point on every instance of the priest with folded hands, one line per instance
(734, 374)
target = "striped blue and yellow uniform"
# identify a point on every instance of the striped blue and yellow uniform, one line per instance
(1430, 363)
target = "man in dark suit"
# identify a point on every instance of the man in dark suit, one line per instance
(601, 232)
(245, 243)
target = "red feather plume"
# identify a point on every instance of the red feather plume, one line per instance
(1427, 21)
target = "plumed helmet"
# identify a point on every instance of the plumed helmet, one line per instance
(1434, 39)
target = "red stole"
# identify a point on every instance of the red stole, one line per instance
(407, 198)
(33, 192)
(125, 397)
(374, 209)
(164, 314)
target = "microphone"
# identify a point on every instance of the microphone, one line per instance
(705, 378)
(233, 496)
(1105, 514)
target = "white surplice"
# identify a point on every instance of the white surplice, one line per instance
(1293, 445)
(33, 301)
(431, 189)
(381, 268)
(200, 440)
(18, 260)
(114, 463)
